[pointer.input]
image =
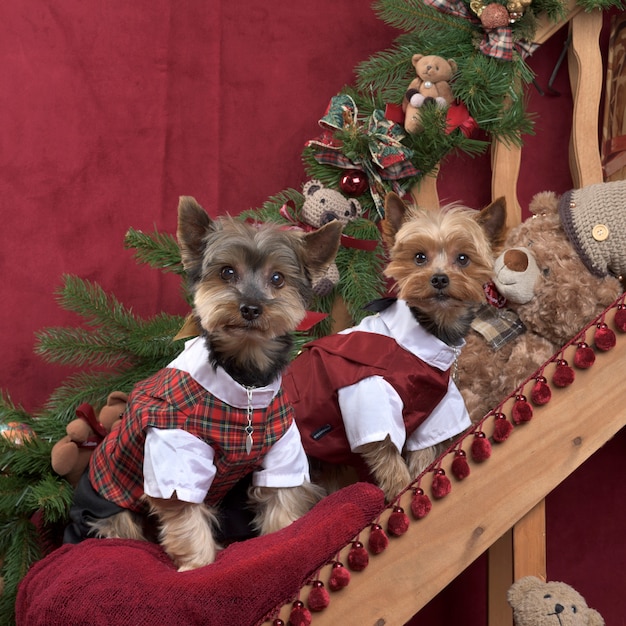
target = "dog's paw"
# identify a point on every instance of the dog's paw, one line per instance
(393, 481)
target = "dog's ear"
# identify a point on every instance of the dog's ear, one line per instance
(492, 219)
(321, 245)
(193, 226)
(395, 214)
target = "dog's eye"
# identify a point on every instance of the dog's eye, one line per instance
(420, 258)
(277, 280)
(228, 273)
(463, 260)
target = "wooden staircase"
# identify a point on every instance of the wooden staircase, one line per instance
(500, 507)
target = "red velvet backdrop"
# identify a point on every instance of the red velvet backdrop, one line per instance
(110, 111)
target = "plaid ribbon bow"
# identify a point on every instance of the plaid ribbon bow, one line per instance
(497, 42)
(387, 158)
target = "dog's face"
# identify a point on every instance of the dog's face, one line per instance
(440, 259)
(250, 284)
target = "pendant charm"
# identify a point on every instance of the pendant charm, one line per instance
(249, 440)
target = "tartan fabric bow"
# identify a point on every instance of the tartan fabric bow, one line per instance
(497, 42)
(386, 158)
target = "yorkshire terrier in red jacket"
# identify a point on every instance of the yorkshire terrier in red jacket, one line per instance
(382, 390)
(217, 413)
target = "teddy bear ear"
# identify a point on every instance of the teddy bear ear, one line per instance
(416, 58)
(521, 587)
(311, 187)
(594, 618)
(116, 397)
(544, 203)
(453, 65)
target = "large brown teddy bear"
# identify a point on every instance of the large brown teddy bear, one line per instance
(430, 85)
(70, 455)
(538, 603)
(549, 289)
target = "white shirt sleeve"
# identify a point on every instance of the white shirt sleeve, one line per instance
(286, 463)
(176, 461)
(449, 418)
(371, 410)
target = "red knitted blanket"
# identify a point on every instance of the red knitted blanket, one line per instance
(132, 583)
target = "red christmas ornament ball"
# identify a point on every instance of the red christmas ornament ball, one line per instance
(353, 183)
(494, 15)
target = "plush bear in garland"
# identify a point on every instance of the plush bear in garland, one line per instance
(322, 205)
(430, 85)
(538, 603)
(70, 455)
(551, 294)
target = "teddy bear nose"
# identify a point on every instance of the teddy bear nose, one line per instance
(559, 608)
(516, 260)
(328, 217)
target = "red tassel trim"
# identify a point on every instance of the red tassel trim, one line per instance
(541, 393)
(563, 374)
(318, 597)
(460, 467)
(441, 485)
(420, 504)
(481, 447)
(522, 410)
(398, 522)
(378, 540)
(604, 338)
(501, 428)
(584, 357)
(339, 577)
(300, 615)
(358, 558)
(620, 318)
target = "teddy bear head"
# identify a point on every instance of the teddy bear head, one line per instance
(433, 68)
(322, 205)
(545, 279)
(538, 603)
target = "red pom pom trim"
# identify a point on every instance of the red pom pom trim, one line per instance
(460, 467)
(339, 577)
(318, 597)
(378, 540)
(420, 504)
(501, 428)
(541, 393)
(481, 447)
(620, 318)
(398, 522)
(300, 615)
(584, 357)
(563, 374)
(358, 558)
(522, 410)
(441, 485)
(604, 337)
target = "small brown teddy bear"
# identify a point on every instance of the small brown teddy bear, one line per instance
(431, 84)
(322, 205)
(70, 455)
(536, 603)
(551, 294)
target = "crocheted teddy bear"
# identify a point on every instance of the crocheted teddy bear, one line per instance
(431, 84)
(550, 295)
(538, 603)
(322, 205)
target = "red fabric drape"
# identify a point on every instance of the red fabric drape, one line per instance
(111, 110)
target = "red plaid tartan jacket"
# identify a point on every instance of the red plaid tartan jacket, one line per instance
(171, 398)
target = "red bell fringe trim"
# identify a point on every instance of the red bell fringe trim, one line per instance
(503, 425)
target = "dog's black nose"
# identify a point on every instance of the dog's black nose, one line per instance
(250, 311)
(439, 281)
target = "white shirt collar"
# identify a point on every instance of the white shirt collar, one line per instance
(194, 360)
(398, 322)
